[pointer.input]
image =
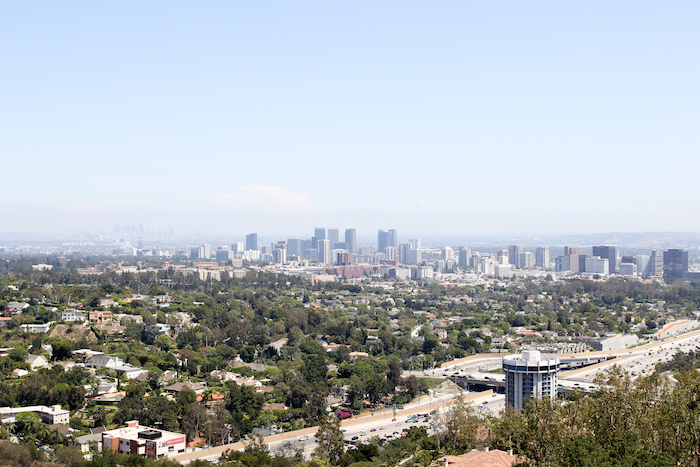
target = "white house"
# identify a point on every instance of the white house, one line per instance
(71, 314)
(36, 361)
(104, 361)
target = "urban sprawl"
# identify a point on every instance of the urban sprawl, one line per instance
(138, 349)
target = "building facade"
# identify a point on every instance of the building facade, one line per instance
(530, 374)
(324, 251)
(144, 441)
(351, 240)
(251, 241)
(542, 257)
(675, 262)
(609, 253)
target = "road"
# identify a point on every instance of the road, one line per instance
(637, 362)
(353, 427)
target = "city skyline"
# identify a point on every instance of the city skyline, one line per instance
(467, 119)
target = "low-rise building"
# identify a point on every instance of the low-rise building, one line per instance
(36, 361)
(50, 415)
(37, 328)
(71, 314)
(144, 441)
(104, 361)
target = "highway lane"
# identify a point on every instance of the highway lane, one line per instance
(640, 360)
(353, 426)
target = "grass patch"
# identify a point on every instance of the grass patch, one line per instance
(432, 382)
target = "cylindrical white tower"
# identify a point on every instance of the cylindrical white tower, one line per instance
(529, 374)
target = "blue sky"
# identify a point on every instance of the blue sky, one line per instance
(427, 117)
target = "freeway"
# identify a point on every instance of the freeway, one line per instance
(637, 362)
(354, 426)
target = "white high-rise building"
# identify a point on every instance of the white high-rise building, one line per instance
(324, 251)
(643, 265)
(413, 257)
(527, 260)
(447, 253)
(530, 374)
(390, 253)
(542, 257)
(597, 265)
(628, 269)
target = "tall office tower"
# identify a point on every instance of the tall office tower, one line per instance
(464, 254)
(351, 240)
(390, 253)
(656, 264)
(344, 258)
(251, 241)
(279, 252)
(197, 253)
(319, 233)
(514, 252)
(415, 243)
(542, 257)
(609, 253)
(582, 262)
(530, 374)
(675, 262)
(295, 246)
(382, 240)
(237, 248)
(413, 257)
(502, 257)
(207, 251)
(223, 253)
(403, 248)
(597, 265)
(642, 262)
(527, 260)
(572, 253)
(324, 251)
(562, 264)
(333, 237)
(447, 253)
(393, 238)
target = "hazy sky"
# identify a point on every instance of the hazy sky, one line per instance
(427, 117)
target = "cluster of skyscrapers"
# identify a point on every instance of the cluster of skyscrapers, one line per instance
(326, 247)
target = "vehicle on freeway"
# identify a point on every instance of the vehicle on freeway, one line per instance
(355, 438)
(382, 427)
(372, 430)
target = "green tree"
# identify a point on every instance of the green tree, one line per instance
(458, 425)
(330, 444)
